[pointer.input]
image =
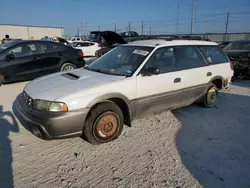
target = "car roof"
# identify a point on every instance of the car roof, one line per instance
(162, 42)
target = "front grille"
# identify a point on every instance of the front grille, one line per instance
(28, 100)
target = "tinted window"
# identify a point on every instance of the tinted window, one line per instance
(23, 50)
(213, 55)
(164, 59)
(54, 47)
(189, 58)
(82, 44)
(244, 45)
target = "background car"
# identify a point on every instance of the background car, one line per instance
(75, 39)
(239, 54)
(106, 39)
(88, 48)
(26, 60)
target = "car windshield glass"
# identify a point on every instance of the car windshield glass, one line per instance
(94, 36)
(238, 46)
(6, 45)
(122, 60)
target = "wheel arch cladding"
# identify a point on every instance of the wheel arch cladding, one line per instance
(218, 82)
(121, 101)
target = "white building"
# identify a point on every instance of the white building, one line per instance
(29, 32)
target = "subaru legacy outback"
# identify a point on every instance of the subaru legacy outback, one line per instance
(131, 80)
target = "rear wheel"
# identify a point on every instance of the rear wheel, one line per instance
(1, 79)
(211, 96)
(67, 67)
(103, 124)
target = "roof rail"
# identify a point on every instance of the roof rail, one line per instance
(187, 37)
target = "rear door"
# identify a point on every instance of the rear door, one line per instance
(193, 71)
(52, 57)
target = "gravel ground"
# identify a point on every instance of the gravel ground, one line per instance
(189, 147)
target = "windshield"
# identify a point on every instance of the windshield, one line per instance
(6, 45)
(238, 46)
(94, 36)
(122, 60)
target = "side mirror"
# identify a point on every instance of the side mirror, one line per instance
(10, 57)
(150, 71)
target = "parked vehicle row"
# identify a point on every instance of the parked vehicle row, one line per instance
(239, 54)
(29, 59)
(132, 80)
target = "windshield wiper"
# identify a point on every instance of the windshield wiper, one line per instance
(104, 72)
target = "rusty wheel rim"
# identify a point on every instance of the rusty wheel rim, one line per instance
(106, 125)
(212, 97)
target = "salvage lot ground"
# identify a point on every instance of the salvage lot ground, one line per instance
(189, 147)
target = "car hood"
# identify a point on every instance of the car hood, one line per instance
(62, 84)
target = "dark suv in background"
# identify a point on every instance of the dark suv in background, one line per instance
(26, 60)
(106, 39)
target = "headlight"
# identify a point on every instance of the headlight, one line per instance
(50, 106)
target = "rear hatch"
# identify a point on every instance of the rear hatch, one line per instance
(106, 38)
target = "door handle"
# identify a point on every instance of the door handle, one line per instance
(177, 80)
(209, 74)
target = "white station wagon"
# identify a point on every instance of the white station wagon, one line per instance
(132, 80)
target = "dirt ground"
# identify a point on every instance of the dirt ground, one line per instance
(189, 147)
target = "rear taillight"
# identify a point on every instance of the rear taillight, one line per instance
(80, 53)
(99, 45)
(231, 65)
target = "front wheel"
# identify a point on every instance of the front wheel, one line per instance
(211, 96)
(103, 124)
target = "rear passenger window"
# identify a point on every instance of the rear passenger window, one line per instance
(189, 58)
(54, 47)
(213, 55)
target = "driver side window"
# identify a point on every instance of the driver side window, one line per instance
(21, 50)
(164, 59)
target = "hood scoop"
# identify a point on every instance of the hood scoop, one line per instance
(70, 76)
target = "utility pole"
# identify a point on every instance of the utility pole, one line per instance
(115, 27)
(81, 28)
(85, 27)
(98, 26)
(78, 34)
(227, 20)
(177, 19)
(142, 27)
(192, 18)
(150, 30)
(129, 26)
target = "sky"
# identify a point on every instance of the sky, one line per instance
(158, 16)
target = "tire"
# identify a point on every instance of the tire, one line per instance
(103, 124)
(67, 67)
(1, 79)
(211, 96)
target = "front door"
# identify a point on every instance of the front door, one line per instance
(163, 91)
(22, 65)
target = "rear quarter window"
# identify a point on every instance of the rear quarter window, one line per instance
(213, 54)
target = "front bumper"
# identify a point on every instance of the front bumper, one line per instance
(47, 125)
